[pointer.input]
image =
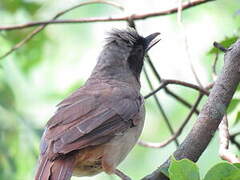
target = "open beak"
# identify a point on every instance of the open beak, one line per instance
(151, 40)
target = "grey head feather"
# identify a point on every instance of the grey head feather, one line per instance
(128, 35)
(122, 57)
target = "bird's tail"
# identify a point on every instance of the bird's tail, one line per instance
(59, 169)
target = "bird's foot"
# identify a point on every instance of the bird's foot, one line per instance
(121, 175)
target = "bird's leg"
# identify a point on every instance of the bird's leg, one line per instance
(121, 175)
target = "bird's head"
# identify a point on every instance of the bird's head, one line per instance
(123, 53)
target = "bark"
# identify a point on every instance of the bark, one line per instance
(211, 114)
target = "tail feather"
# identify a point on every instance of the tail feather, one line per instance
(62, 169)
(44, 169)
(59, 169)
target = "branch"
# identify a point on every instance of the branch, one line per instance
(131, 23)
(181, 100)
(177, 82)
(224, 152)
(39, 29)
(168, 91)
(220, 47)
(235, 134)
(178, 132)
(186, 44)
(234, 141)
(186, 5)
(166, 119)
(214, 71)
(211, 114)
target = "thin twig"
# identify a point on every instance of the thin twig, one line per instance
(165, 82)
(182, 28)
(220, 47)
(186, 5)
(131, 23)
(177, 133)
(209, 86)
(181, 100)
(153, 68)
(224, 152)
(168, 91)
(121, 175)
(160, 107)
(214, 71)
(40, 28)
(234, 141)
(235, 134)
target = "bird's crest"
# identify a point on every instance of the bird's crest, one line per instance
(128, 35)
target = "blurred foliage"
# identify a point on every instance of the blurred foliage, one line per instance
(237, 118)
(187, 170)
(13, 6)
(49, 67)
(31, 54)
(227, 42)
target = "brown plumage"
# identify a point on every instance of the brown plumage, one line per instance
(94, 129)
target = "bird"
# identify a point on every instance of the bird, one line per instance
(95, 127)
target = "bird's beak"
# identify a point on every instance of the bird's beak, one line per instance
(151, 40)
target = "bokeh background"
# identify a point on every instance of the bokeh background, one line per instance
(60, 58)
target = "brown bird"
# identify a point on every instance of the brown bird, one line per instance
(94, 128)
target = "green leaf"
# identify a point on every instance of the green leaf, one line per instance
(31, 7)
(233, 104)
(234, 176)
(7, 95)
(14, 5)
(237, 118)
(237, 165)
(228, 41)
(221, 171)
(183, 169)
(31, 54)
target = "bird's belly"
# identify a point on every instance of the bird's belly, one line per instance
(118, 148)
(106, 157)
(88, 161)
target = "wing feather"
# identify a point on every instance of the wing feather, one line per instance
(87, 125)
(100, 135)
(91, 119)
(126, 108)
(72, 112)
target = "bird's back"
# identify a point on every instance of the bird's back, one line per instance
(88, 126)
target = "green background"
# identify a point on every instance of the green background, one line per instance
(59, 59)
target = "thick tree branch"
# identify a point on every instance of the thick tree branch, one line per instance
(186, 5)
(211, 114)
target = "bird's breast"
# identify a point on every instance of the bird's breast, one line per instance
(118, 148)
(106, 157)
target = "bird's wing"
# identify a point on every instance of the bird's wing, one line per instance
(90, 118)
